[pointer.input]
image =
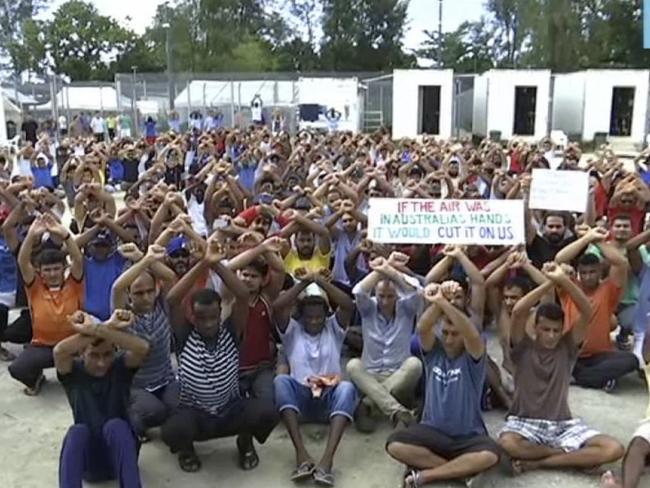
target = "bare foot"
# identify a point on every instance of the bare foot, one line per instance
(519, 466)
(608, 480)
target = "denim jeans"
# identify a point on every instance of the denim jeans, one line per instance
(341, 399)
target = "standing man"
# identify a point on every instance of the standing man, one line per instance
(52, 296)
(29, 129)
(451, 442)
(98, 126)
(386, 372)
(540, 432)
(100, 445)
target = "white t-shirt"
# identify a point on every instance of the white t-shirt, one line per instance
(313, 355)
(63, 122)
(98, 125)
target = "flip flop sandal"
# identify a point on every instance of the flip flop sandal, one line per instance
(323, 478)
(5, 355)
(415, 483)
(189, 462)
(37, 387)
(303, 472)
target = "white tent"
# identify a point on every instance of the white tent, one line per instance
(18, 97)
(88, 98)
(200, 94)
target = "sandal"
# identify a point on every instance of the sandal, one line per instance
(189, 462)
(303, 472)
(323, 478)
(415, 479)
(5, 355)
(248, 458)
(36, 389)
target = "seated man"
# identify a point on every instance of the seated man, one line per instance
(312, 245)
(155, 389)
(451, 442)
(211, 404)
(100, 445)
(599, 365)
(313, 390)
(637, 457)
(540, 432)
(386, 373)
(52, 298)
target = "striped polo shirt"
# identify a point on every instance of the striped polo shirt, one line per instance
(209, 374)
(157, 370)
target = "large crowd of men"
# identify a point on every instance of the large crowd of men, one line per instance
(237, 288)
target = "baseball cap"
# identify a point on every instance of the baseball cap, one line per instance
(176, 244)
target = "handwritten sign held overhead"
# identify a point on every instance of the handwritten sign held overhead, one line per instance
(422, 221)
(559, 190)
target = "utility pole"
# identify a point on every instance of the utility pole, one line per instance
(439, 33)
(168, 54)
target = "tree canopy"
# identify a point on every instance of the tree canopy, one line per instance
(309, 35)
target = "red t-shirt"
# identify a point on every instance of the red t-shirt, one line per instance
(256, 348)
(601, 200)
(636, 214)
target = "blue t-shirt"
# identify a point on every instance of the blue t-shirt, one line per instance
(247, 175)
(99, 277)
(43, 176)
(453, 393)
(8, 268)
(150, 129)
(116, 169)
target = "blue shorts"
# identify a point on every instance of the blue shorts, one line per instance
(341, 399)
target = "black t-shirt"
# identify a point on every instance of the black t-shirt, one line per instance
(95, 400)
(30, 127)
(542, 251)
(130, 170)
(62, 155)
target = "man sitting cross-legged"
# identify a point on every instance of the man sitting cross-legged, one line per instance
(451, 442)
(386, 373)
(540, 431)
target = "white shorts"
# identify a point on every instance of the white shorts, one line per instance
(643, 431)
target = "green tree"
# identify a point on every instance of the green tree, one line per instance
(364, 35)
(468, 49)
(19, 42)
(83, 44)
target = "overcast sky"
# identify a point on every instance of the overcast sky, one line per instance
(423, 14)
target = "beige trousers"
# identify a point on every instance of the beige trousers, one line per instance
(387, 391)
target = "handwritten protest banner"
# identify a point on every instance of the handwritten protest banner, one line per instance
(422, 221)
(559, 190)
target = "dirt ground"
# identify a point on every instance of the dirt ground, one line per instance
(31, 430)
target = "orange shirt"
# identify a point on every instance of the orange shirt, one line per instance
(604, 301)
(50, 310)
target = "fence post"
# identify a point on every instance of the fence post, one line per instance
(232, 103)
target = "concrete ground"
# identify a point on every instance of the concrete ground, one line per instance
(31, 430)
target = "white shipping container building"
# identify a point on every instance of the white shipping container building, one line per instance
(512, 102)
(422, 102)
(612, 102)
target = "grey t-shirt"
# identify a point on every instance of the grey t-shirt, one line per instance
(542, 379)
(313, 355)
